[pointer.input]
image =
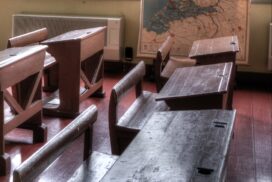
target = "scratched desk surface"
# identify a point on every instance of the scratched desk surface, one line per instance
(199, 80)
(214, 46)
(74, 35)
(11, 55)
(177, 146)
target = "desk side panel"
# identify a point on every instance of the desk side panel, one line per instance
(92, 44)
(18, 71)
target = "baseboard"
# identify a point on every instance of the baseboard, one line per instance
(125, 66)
(254, 80)
(149, 70)
(113, 67)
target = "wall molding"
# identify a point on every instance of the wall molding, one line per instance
(261, 1)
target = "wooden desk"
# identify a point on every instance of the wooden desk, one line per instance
(22, 68)
(199, 87)
(178, 146)
(79, 54)
(216, 50)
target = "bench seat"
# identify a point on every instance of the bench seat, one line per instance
(174, 63)
(140, 111)
(124, 128)
(49, 60)
(165, 65)
(94, 168)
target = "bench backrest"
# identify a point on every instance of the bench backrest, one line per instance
(162, 57)
(29, 38)
(132, 79)
(41, 159)
(165, 48)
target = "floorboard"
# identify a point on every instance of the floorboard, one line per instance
(241, 164)
(250, 152)
(262, 135)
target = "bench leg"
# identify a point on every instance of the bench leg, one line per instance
(40, 134)
(88, 143)
(4, 158)
(50, 79)
(4, 164)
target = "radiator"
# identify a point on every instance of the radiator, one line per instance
(113, 50)
(270, 48)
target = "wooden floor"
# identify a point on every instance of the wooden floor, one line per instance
(251, 148)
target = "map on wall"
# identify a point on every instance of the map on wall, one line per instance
(189, 20)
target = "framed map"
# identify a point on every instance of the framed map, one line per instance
(189, 20)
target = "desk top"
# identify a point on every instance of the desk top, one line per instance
(18, 63)
(177, 146)
(75, 35)
(197, 81)
(12, 55)
(214, 46)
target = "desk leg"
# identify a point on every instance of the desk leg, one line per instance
(69, 79)
(24, 89)
(68, 57)
(93, 68)
(39, 129)
(51, 79)
(229, 105)
(4, 158)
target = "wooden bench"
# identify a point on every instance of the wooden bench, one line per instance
(94, 166)
(123, 129)
(36, 37)
(165, 64)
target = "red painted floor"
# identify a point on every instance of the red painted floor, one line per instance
(250, 151)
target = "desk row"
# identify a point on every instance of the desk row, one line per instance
(72, 57)
(164, 145)
(78, 55)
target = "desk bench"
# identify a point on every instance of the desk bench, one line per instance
(21, 68)
(35, 37)
(178, 146)
(217, 50)
(79, 54)
(199, 87)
